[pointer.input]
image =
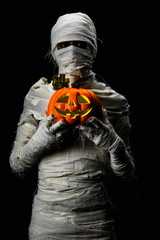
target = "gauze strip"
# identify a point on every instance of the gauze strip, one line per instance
(74, 62)
(72, 57)
(74, 27)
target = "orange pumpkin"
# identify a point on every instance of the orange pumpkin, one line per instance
(74, 105)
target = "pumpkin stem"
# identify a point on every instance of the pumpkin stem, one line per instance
(59, 82)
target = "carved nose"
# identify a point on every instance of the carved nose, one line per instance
(72, 103)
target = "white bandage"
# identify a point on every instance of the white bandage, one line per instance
(47, 136)
(104, 136)
(74, 27)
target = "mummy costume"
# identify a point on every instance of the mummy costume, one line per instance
(72, 201)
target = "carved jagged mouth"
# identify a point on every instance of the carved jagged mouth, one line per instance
(77, 112)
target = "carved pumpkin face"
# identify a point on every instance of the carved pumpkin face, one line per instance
(74, 105)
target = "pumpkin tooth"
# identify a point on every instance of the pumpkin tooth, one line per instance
(73, 114)
(61, 112)
(85, 112)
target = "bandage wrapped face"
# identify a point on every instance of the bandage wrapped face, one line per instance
(73, 61)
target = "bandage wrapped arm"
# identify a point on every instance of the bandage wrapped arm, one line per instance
(32, 141)
(104, 136)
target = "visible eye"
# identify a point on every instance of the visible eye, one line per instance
(83, 99)
(63, 99)
(80, 44)
(63, 45)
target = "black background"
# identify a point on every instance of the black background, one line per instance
(122, 61)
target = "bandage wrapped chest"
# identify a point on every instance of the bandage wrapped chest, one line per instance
(71, 197)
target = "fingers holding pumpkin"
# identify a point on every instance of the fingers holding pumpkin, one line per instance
(92, 122)
(53, 126)
(96, 131)
(90, 127)
(50, 120)
(59, 126)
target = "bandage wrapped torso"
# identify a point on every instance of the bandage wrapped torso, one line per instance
(71, 201)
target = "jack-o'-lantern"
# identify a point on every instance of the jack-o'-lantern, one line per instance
(74, 105)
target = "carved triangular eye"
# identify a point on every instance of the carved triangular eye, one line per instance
(83, 99)
(63, 99)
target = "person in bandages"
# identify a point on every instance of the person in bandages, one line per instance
(72, 200)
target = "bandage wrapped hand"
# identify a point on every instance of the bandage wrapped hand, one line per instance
(104, 136)
(49, 134)
(47, 137)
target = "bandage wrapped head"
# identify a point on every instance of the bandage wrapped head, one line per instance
(74, 45)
